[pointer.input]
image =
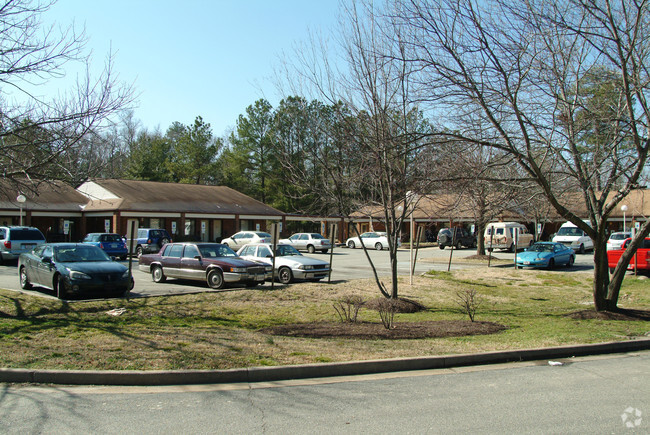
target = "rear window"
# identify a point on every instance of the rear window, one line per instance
(111, 238)
(262, 235)
(25, 234)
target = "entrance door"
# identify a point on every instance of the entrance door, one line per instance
(217, 230)
(205, 231)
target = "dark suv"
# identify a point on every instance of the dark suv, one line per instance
(15, 240)
(462, 238)
(150, 240)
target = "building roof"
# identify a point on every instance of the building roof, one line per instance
(51, 196)
(151, 196)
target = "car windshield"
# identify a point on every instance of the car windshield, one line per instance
(216, 250)
(73, 254)
(569, 231)
(539, 247)
(111, 238)
(286, 250)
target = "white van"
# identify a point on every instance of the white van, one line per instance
(573, 237)
(501, 235)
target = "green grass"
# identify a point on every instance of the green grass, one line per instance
(221, 330)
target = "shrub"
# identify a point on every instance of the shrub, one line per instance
(348, 308)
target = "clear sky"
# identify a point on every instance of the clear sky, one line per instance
(195, 58)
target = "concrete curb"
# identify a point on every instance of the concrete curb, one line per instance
(266, 374)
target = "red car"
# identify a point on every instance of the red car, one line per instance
(640, 260)
(214, 263)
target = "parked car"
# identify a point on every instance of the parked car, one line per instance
(310, 242)
(242, 238)
(462, 237)
(572, 236)
(149, 240)
(501, 235)
(372, 239)
(290, 264)
(616, 240)
(73, 268)
(640, 260)
(15, 240)
(214, 263)
(546, 254)
(113, 244)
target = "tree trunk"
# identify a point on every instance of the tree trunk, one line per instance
(601, 278)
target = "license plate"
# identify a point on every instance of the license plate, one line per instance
(526, 262)
(259, 277)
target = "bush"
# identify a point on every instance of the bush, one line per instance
(348, 308)
(469, 300)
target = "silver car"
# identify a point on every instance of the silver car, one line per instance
(15, 240)
(310, 242)
(242, 238)
(290, 264)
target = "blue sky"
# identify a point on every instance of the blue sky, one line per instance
(195, 58)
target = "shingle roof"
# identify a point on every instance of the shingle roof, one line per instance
(151, 196)
(51, 196)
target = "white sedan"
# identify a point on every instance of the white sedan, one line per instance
(290, 264)
(310, 242)
(616, 240)
(372, 239)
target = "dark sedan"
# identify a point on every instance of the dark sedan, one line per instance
(214, 263)
(73, 268)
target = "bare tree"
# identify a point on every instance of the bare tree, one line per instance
(525, 69)
(41, 137)
(384, 131)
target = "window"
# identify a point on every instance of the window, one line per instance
(191, 251)
(176, 251)
(264, 252)
(167, 250)
(248, 250)
(304, 237)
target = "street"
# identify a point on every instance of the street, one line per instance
(347, 264)
(598, 394)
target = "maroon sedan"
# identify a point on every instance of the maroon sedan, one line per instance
(212, 262)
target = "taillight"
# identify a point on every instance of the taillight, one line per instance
(8, 244)
(149, 242)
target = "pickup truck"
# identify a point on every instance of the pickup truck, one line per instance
(640, 260)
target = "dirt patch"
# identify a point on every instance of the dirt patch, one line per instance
(622, 314)
(401, 305)
(401, 331)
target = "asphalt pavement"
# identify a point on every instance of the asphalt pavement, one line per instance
(347, 264)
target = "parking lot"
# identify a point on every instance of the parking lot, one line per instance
(347, 264)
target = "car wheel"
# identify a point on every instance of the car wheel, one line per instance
(164, 241)
(215, 279)
(512, 248)
(571, 260)
(442, 246)
(284, 275)
(138, 251)
(351, 244)
(551, 264)
(582, 248)
(311, 249)
(459, 245)
(61, 287)
(24, 279)
(157, 274)
(474, 244)
(379, 246)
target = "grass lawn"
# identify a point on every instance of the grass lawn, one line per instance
(220, 330)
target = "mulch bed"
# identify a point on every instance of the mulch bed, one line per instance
(401, 330)
(622, 314)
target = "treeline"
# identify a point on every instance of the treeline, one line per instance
(301, 156)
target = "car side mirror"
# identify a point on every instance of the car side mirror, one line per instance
(47, 260)
(269, 256)
(198, 257)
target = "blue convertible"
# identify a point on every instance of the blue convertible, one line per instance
(546, 254)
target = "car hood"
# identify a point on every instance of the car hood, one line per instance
(232, 261)
(94, 266)
(531, 255)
